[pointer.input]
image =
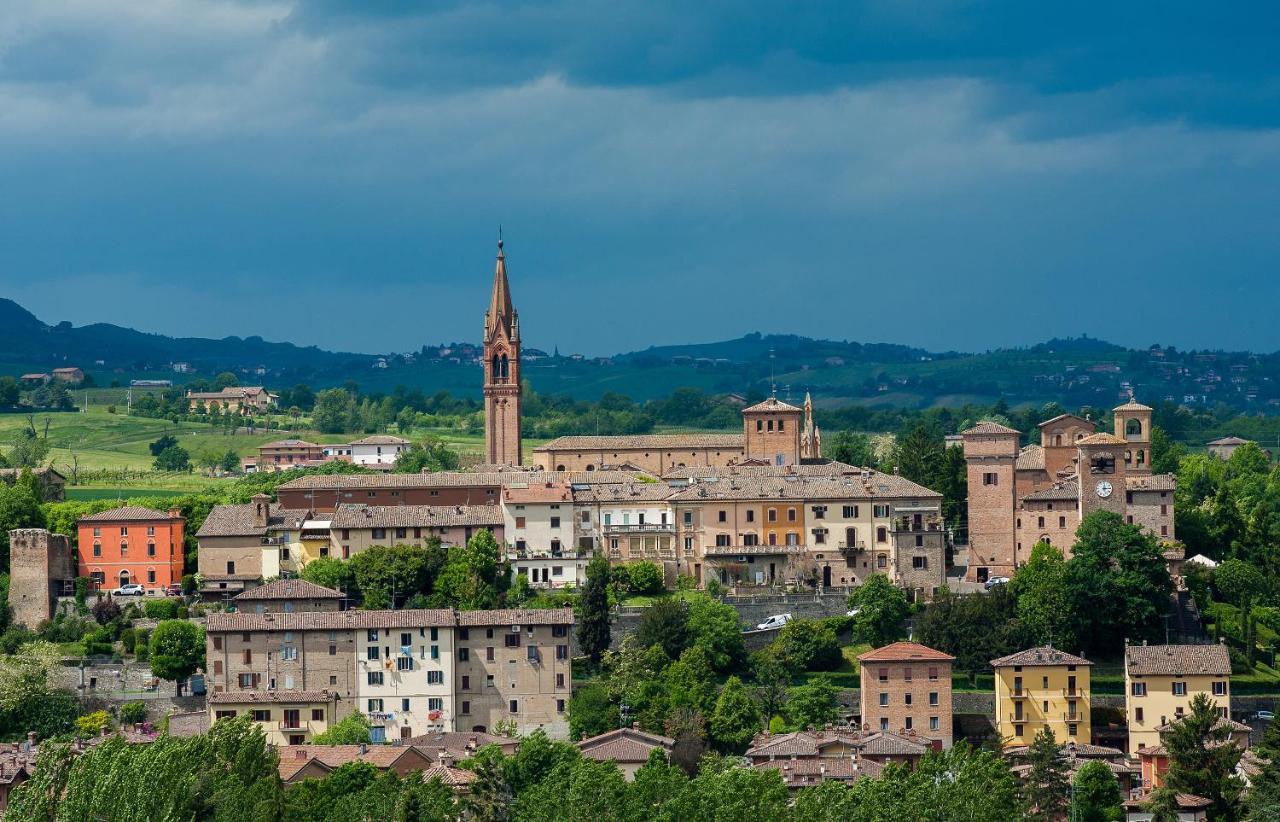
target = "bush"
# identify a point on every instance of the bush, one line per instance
(128, 638)
(105, 610)
(160, 609)
(182, 612)
(1239, 662)
(82, 590)
(94, 724)
(188, 584)
(646, 578)
(132, 713)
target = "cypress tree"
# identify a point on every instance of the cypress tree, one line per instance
(593, 630)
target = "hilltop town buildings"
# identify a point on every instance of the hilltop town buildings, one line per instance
(1161, 680)
(1019, 496)
(906, 689)
(235, 400)
(1042, 688)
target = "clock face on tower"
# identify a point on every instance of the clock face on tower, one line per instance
(1103, 488)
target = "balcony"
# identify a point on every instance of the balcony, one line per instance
(1073, 717)
(859, 545)
(909, 524)
(1075, 693)
(302, 725)
(640, 528)
(752, 550)
(1018, 718)
(277, 540)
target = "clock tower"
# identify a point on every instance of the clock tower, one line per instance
(1101, 469)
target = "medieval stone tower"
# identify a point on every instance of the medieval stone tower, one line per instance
(502, 372)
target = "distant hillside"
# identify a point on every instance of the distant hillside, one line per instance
(1074, 371)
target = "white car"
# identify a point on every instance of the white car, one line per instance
(994, 581)
(775, 621)
(854, 611)
(1269, 716)
(132, 589)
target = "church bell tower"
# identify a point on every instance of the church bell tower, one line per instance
(502, 372)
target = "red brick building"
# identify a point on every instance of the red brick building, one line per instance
(131, 544)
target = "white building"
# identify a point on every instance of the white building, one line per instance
(538, 524)
(404, 675)
(379, 450)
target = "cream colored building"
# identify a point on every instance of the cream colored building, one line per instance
(405, 679)
(240, 545)
(286, 717)
(1161, 680)
(356, 527)
(538, 524)
(1042, 688)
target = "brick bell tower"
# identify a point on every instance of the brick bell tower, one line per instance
(502, 372)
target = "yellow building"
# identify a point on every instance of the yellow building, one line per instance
(1161, 680)
(1042, 688)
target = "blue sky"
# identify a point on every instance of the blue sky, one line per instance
(955, 175)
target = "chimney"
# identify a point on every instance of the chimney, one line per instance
(175, 513)
(364, 748)
(261, 509)
(31, 738)
(299, 755)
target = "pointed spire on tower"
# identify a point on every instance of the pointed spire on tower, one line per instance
(500, 314)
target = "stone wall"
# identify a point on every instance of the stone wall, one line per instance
(41, 564)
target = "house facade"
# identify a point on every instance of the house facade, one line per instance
(906, 689)
(1042, 688)
(132, 544)
(1161, 680)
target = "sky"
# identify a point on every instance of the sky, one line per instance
(954, 175)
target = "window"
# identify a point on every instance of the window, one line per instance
(724, 516)
(435, 677)
(1072, 729)
(1179, 689)
(124, 548)
(884, 700)
(401, 533)
(124, 532)
(884, 674)
(819, 512)
(990, 478)
(562, 652)
(559, 706)
(934, 723)
(884, 723)
(1137, 715)
(773, 515)
(559, 680)
(224, 715)
(933, 699)
(435, 703)
(751, 515)
(907, 723)
(1219, 689)
(919, 562)
(882, 535)
(1039, 522)
(288, 653)
(559, 630)
(262, 716)
(151, 549)
(375, 706)
(906, 699)
(791, 515)
(97, 549)
(317, 714)
(379, 533)
(1138, 689)
(519, 522)
(688, 518)
(466, 707)
(512, 640)
(373, 652)
(514, 707)
(375, 677)
(488, 654)
(248, 656)
(404, 704)
(151, 575)
(555, 522)
(933, 674)
(404, 663)
(372, 635)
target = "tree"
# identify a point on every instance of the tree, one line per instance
(470, 577)
(735, 719)
(389, 575)
(230, 461)
(1264, 793)
(28, 449)
(591, 712)
(157, 448)
(1200, 762)
(1166, 455)
(428, 454)
(665, 623)
(133, 713)
(19, 508)
(173, 458)
(226, 380)
(330, 572)
(772, 676)
(352, 729)
(645, 578)
(1044, 795)
(714, 628)
(808, 645)
(1118, 583)
(1096, 794)
(881, 609)
(593, 626)
(815, 704)
(1240, 583)
(334, 412)
(105, 609)
(919, 455)
(9, 392)
(1042, 603)
(176, 651)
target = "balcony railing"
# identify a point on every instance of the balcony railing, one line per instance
(857, 545)
(1072, 717)
(1017, 717)
(301, 725)
(752, 550)
(275, 541)
(640, 528)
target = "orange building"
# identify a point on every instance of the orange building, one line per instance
(131, 544)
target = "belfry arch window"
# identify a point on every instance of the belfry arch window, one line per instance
(1133, 427)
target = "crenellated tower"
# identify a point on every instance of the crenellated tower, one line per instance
(502, 372)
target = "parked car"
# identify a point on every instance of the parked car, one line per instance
(854, 611)
(132, 589)
(994, 581)
(1268, 716)
(775, 621)
(173, 590)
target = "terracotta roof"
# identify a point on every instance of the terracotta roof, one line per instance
(653, 442)
(238, 521)
(826, 468)
(904, 652)
(449, 775)
(460, 744)
(408, 618)
(771, 404)
(334, 756)
(451, 479)
(537, 492)
(289, 589)
(884, 743)
(185, 724)
(1170, 660)
(1052, 420)
(875, 485)
(1155, 482)
(1059, 490)
(272, 697)
(1186, 802)
(1223, 722)
(414, 516)
(1102, 439)
(288, 444)
(1132, 405)
(379, 439)
(629, 493)
(988, 427)
(1044, 655)
(1072, 749)
(624, 745)
(126, 513)
(1030, 458)
(799, 773)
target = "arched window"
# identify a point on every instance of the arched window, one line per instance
(1057, 439)
(560, 467)
(1142, 457)
(495, 372)
(1133, 427)
(505, 373)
